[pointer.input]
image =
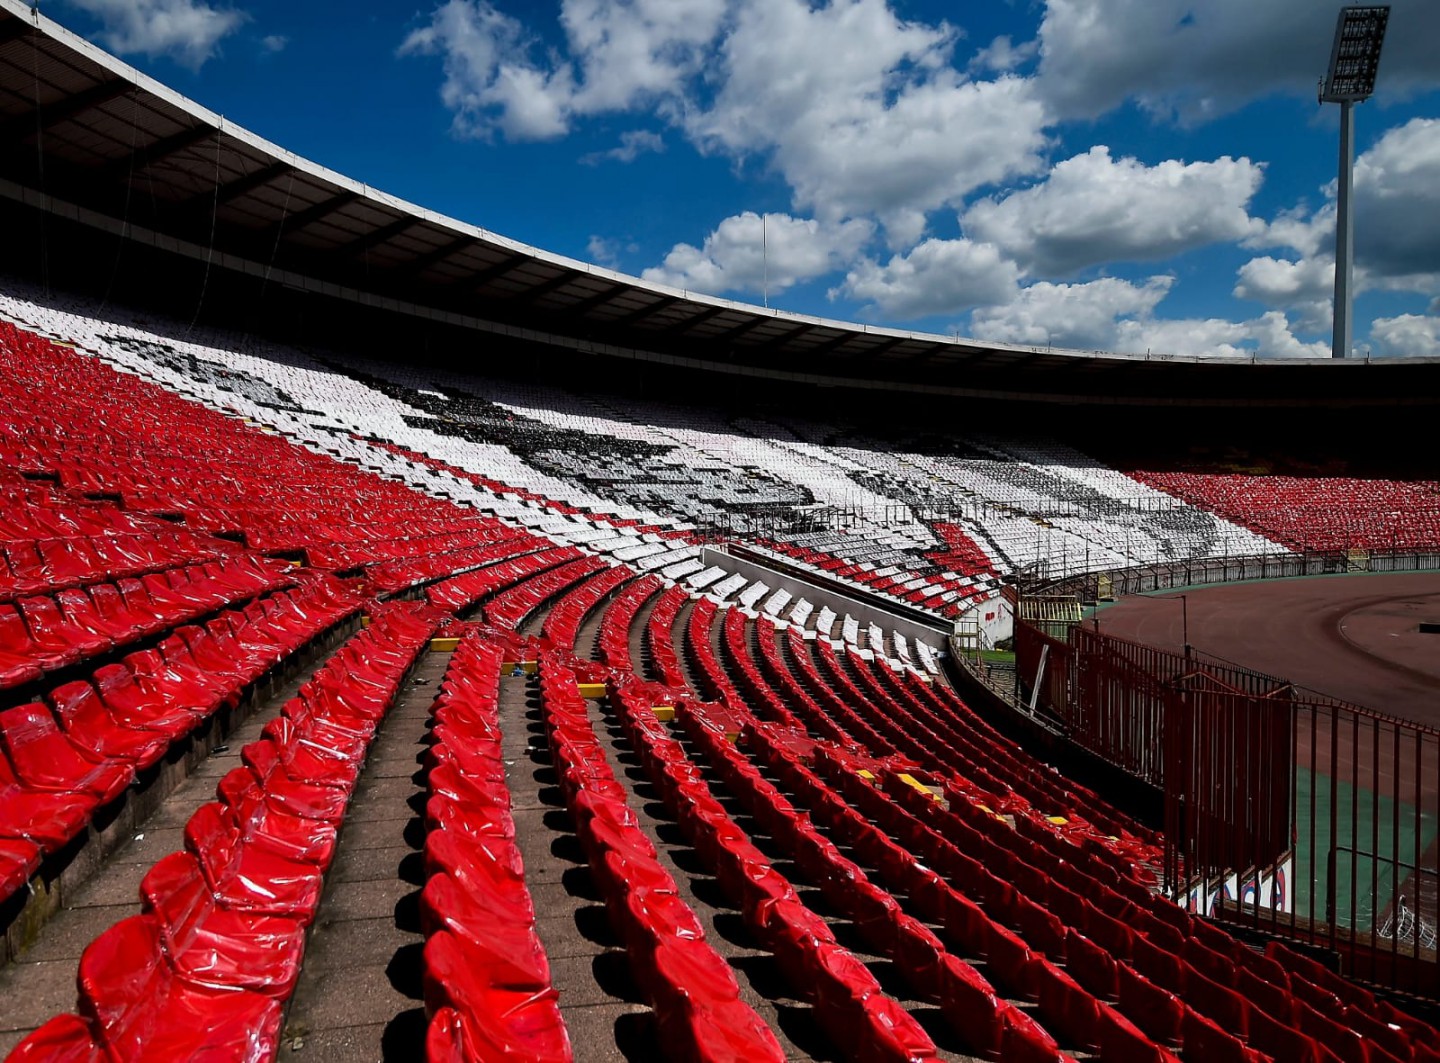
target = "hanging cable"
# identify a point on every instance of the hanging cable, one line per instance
(40, 155)
(129, 191)
(210, 251)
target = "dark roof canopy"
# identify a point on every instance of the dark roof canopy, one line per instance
(86, 136)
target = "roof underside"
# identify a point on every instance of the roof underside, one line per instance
(97, 137)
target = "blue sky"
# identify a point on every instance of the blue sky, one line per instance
(1101, 174)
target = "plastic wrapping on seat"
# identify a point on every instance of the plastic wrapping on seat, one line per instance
(142, 1012)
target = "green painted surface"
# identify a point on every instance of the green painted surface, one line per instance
(1357, 811)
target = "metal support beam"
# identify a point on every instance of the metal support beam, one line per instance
(544, 288)
(699, 319)
(664, 303)
(326, 207)
(15, 28)
(163, 148)
(421, 263)
(60, 110)
(379, 236)
(482, 277)
(1341, 340)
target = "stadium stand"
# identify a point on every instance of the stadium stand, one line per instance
(166, 551)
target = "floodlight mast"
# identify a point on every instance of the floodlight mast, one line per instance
(1354, 62)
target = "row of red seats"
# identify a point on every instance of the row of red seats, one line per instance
(863, 1022)
(462, 592)
(65, 414)
(1173, 985)
(942, 707)
(1048, 790)
(735, 647)
(1020, 944)
(928, 595)
(487, 980)
(43, 634)
(562, 623)
(919, 955)
(660, 637)
(619, 618)
(693, 992)
(1022, 786)
(962, 554)
(510, 607)
(42, 566)
(376, 545)
(35, 509)
(1320, 513)
(497, 544)
(205, 970)
(64, 760)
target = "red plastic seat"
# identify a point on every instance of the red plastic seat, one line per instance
(495, 1022)
(144, 695)
(45, 759)
(211, 946)
(143, 1011)
(89, 724)
(245, 878)
(64, 1039)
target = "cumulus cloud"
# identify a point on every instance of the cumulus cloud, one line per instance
(1094, 209)
(1268, 336)
(1118, 315)
(1408, 335)
(1304, 286)
(1189, 60)
(935, 277)
(633, 144)
(187, 31)
(1080, 316)
(1397, 183)
(621, 52)
(748, 253)
(862, 112)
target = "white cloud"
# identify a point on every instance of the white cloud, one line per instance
(863, 113)
(1304, 286)
(1397, 183)
(187, 31)
(1117, 315)
(632, 50)
(1397, 199)
(1002, 55)
(1268, 336)
(1409, 335)
(274, 42)
(935, 277)
(622, 52)
(1094, 209)
(1194, 60)
(746, 253)
(633, 144)
(1082, 316)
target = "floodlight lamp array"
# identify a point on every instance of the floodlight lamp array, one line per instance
(1355, 57)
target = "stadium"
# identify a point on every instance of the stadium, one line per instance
(417, 643)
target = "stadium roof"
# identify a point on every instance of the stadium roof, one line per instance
(80, 131)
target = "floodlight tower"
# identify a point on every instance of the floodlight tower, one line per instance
(1354, 61)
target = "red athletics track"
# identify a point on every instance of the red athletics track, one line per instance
(1352, 637)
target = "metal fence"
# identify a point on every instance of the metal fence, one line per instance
(1138, 579)
(1295, 813)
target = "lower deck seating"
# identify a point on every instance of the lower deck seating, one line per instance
(886, 818)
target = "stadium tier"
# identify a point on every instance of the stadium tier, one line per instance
(740, 772)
